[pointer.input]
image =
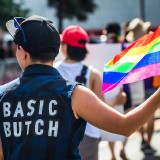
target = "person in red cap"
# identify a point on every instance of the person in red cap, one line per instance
(73, 45)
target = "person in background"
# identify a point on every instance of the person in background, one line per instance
(2, 51)
(127, 107)
(113, 33)
(147, 132)
(137, 28)
(10, 49)
(73, 45)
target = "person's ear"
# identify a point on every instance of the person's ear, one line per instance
(18, 47)
(22, 52)
(64, 48)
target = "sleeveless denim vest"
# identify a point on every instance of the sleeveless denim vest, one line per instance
(36, 117)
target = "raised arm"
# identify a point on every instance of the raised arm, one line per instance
(88, 106)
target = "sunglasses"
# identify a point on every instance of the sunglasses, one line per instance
(17, 24)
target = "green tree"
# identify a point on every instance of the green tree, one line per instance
(10, 9)
(72, 8)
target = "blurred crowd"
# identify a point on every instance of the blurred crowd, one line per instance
(9, 68)
(137, 92)
(7, 49)
(116, 32)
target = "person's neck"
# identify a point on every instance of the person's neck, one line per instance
(43, 63)
(68, 60)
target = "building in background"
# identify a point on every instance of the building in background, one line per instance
(107, 11)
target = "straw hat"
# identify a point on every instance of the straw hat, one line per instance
(136, 28)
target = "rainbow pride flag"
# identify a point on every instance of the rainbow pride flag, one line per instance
(138, 61)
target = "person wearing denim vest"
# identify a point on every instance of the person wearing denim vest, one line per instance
(36, 118)
(36, 114)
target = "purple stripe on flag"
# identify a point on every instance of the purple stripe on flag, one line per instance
(142, 73)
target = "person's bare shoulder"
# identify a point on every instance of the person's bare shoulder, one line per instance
(96, 83)
(95, 73)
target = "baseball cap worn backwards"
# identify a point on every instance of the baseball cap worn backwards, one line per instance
(74, 36)
(36, 34)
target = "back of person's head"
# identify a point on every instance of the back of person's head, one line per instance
(36, 35)
(113, 27)
(113, 31)
(76, 39)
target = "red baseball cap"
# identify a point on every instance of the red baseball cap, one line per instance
(74, 36)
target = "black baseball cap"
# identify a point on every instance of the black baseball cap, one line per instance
(36, 34)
